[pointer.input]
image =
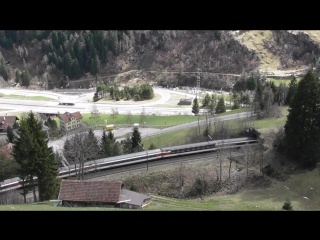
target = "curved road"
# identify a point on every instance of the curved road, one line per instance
(82, 104)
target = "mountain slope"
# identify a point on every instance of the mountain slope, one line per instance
(173, 57)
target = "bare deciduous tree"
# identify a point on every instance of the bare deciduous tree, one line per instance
(143, 115)
(80, 148)
(250, 156)
(114, 114)
(129, 117)
(222, 130)
(95, 114)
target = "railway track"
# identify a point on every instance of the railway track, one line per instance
(157, 165)
(142, 160)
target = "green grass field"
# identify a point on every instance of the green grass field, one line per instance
(151, 120)
(179, 137)
(38, 98)
(225, 97)
(277, 82)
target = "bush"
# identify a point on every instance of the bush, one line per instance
(287, 205)
(133, 188)
(199, 188)
(152, 146)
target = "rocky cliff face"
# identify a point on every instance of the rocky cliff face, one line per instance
(295, 48)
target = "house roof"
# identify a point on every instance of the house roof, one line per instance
(66, 117)
(89, 191)
(6, 121)
(133, 198)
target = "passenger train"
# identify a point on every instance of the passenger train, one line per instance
(140, 157)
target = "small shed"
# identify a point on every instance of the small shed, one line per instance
(88, 193)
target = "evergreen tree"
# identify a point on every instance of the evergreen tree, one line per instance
(206, 100)
(236, 102)
(59, 63)
(66, 65)
(17, 77)
(195, 106)
(221, 108)
(117, 149)
(52, 124)
(113, 42)
(110, 135)
(94, 67)
(93, 144)
(10, 135)
(105, 145)
(25, 78)
(92, 50)
(35, 158)
(15, 125)
(136, 141)
(302, 128)
(103, 52)
(127, 145)
(292, 89)
(61, 51)
(83, 59)
(54, 40)
(251, 84)
(258, 97)
(4, 72)
(43, 47)
(75, 69)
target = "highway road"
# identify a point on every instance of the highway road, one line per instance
(82, 104)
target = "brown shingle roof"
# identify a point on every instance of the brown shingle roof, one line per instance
(90, 191)
(6, 121)
(66, 117)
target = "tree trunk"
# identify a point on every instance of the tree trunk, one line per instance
(247, 163)
(230, 168)
(33, 189)
(82, 170)
(230, 163)
(75, 169)
(24, 191)
(181, 180)
(220, 161)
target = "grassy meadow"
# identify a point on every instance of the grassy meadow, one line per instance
(277, 82)
(23, 97)
(179, 137)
